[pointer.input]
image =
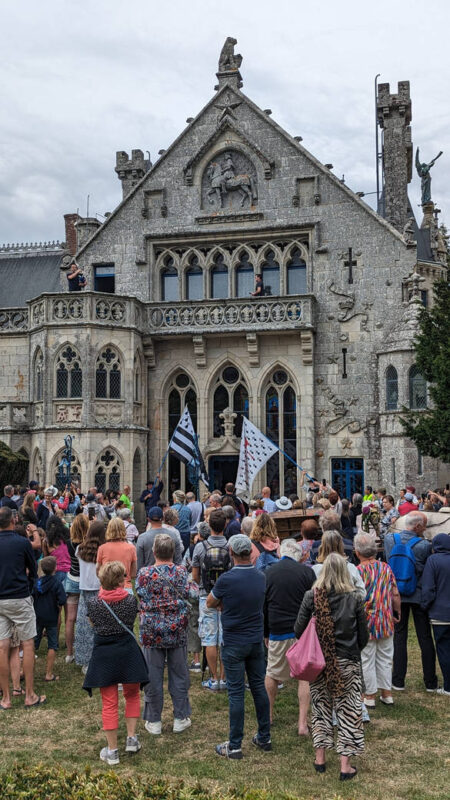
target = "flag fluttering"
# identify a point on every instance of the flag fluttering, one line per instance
(256, 449)
(184, 446)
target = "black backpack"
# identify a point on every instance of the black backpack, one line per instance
(216, 561)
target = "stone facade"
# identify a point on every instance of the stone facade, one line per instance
(234, 195)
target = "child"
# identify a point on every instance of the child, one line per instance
(48, 597)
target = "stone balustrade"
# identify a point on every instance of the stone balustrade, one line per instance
(161, 319)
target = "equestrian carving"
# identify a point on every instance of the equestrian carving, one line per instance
(224, 177)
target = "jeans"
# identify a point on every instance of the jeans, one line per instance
(238, 660)
(442, 639)
(425, 639)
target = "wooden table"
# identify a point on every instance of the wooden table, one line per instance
(290, 522)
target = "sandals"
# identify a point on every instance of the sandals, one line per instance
(347, 776)
(39, 702)
(50, 680)
(18, 692)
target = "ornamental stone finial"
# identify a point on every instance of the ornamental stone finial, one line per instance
(229, 64)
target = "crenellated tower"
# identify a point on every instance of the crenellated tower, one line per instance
(394, 118)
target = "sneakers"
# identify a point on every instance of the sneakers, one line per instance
(369, 702)
(442, 691)
(69, 659)
(223, 686)
(133, 744)
(432, 691)
(155, 728)
(210, 684)
(195, 666)
(388, 701)
(266, 746)
(180, 725)
(110, 757)
(398, 688)
(224, 750)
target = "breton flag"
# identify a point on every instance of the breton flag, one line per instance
(256, 449)
(183, 445)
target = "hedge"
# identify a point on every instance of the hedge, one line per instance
(50, 783)
(13, 467)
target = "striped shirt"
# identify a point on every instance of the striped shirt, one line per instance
(380, 582)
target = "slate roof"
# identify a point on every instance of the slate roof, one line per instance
(23, 277)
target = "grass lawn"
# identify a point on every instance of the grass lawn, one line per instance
(407, 746)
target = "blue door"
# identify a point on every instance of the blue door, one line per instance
(347, 476)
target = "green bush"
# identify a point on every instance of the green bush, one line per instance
(50, 783)
(13, 467)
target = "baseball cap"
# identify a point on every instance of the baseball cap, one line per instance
(33, 484)
(240, 544)
(155, 513)
(408, 496)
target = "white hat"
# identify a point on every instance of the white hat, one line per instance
(283, 503)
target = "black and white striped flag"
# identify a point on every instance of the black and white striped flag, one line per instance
(183, 445)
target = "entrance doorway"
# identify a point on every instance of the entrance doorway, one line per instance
(222, 470)
(347, 476)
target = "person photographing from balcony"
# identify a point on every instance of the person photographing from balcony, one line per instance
(75, 278)
(259, 286)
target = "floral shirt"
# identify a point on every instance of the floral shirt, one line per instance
(380, 583)
(387, 520)
(163, 611)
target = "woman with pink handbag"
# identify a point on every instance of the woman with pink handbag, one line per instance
(340, 623)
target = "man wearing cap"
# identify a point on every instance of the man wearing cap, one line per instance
(240, 594)
(152, 493)
(144, 545)
(408, 505)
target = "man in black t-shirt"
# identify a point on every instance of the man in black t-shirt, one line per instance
(75, 278)
(286, 583)
(7, 500)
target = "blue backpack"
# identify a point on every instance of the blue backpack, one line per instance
(402, 562)
(266, 557)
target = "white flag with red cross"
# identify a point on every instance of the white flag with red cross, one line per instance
(256, 449)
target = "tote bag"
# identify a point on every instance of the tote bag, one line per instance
(305, 657)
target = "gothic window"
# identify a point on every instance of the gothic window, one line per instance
(169, 281)
(417, 389)
(296, 273)
(69, 375)
(244, 276)
(391, 388)
(281, 428)
(219, 278)
(75, 471)
(39, 376)
(271, 274)
(194, 280)
(108, 375)
(181, 394)
(230, 392)
(107, 471)
(137, 379)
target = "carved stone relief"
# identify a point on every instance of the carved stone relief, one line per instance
(108, 413)
(3, 416)
(68, 413)
(347, 304)
(229, 182)
(19, 416)
(107, 310)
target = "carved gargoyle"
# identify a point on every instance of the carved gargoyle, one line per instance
(228, 60)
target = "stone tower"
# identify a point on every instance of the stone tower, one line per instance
(394, 117)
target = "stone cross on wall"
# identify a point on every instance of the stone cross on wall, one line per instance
(350, 263)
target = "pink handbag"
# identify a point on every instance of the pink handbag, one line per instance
(305, 657)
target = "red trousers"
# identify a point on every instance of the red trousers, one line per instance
(110, 704)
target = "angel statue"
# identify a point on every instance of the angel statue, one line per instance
(423, 170)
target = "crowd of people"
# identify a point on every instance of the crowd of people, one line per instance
(216, 592)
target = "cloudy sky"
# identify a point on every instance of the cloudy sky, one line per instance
(84, 79)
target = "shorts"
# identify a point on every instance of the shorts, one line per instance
(277, 663)
(18, 612)
(52, 636)
(71, 588)
(209, 625)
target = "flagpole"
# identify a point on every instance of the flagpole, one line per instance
(163, 461)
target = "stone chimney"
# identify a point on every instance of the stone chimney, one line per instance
(131, 170)
(85, 228)
(394, 117)
(71, 232)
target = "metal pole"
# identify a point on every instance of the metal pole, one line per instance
(376, 144)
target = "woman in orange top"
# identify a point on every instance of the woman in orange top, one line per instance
(116, 548)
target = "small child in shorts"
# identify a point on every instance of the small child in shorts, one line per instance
(48, 597)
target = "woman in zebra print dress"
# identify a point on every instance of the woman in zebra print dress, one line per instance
(342, 631)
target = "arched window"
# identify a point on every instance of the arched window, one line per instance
(69, 375)
(107, 471)
(230, 392)
(219, 278)
(194, 280)
(296, 273)
(244, 276)
(417, 389)
(75, 471)
(169, 281)
(39, 376)
(281, 428)
(271, 274)
(108, 375)
(391, 388)
(181, 394)
(137, 379)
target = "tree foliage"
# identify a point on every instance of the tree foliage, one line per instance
(430, 429)
(13, 466)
